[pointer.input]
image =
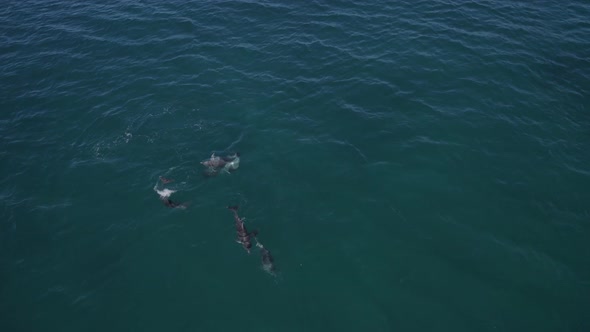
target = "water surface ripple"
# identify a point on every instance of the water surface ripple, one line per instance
(413, 165)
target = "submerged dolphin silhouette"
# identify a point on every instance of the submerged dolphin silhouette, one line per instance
(267, 259)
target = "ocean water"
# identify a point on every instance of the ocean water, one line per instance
(411, 165)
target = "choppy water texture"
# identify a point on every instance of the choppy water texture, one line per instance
(412, 165)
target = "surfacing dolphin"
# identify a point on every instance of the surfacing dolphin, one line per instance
(165, 195)
(213, 162)
(216, 164)
(243, 237)
(231, 162)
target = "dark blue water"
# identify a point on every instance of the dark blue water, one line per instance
(411, 165)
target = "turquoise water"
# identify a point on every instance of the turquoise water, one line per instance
(411, 165)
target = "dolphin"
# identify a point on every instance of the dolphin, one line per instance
(231, 163)
(171, 204)
(243, 235)
(165, 195)
(213, 162)
(267, 260)
(166, 180)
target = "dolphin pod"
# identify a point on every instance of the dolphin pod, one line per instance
(213, 166)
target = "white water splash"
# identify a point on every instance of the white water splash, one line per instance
(165, 193)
